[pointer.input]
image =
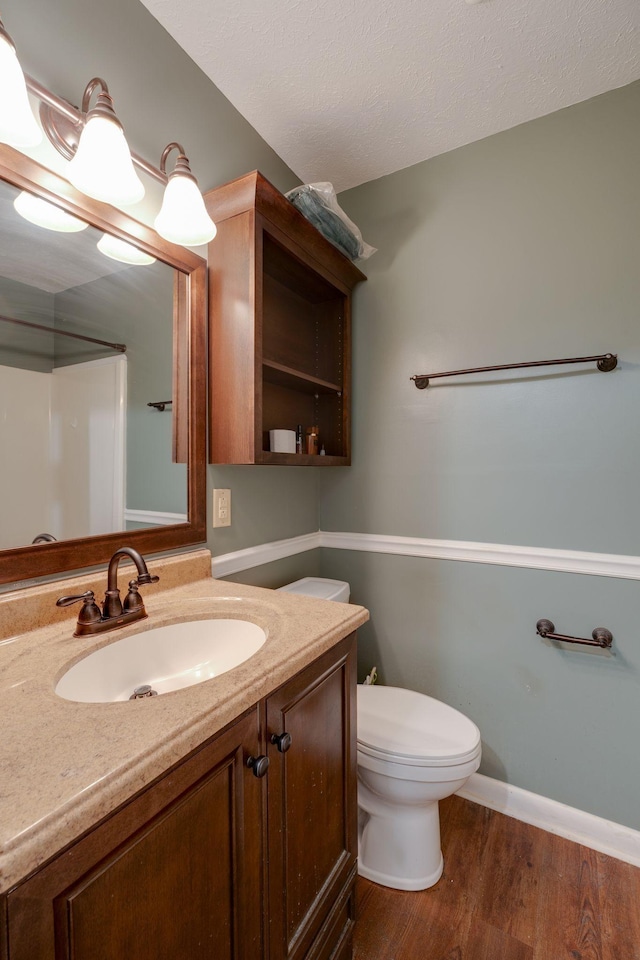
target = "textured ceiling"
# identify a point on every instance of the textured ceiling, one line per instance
(350, 90)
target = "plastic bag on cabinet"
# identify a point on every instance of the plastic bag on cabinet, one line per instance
(319, 204)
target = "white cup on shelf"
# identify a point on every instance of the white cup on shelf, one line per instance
(282, 441)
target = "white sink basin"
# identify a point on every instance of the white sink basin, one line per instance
(166, 658)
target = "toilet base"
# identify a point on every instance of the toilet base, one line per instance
(398, 848)
(402, 883)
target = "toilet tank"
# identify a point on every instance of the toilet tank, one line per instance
(320, 587)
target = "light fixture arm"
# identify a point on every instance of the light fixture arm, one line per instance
(182, 166)
(63, 123)
(90, 89)
(104, 103)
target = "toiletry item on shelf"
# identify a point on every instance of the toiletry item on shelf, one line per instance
(299, 439)
(282, 441)
(312, 440)
(323, 452)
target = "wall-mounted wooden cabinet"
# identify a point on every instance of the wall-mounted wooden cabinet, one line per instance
(279, 328)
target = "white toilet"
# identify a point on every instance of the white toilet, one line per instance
(412, 752)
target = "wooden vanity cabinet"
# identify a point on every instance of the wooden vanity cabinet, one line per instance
(312, 810)
(279, 328)
(176, 873)
(211, 861)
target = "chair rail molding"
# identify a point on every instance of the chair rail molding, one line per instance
(504, 554)
(229, 563)
(618, 566)
(154, 517)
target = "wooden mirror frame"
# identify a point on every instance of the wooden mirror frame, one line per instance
(189, 376)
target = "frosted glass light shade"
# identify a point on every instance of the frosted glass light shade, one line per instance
(183, 217)
(102, 166)
(47, 215)
(18, 125)
(125, 252)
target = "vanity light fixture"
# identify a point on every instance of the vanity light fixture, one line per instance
(101, 164)
(125, 252)
(183, 217)
(47, 215)
(18, 125)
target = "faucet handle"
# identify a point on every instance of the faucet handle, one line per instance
(133, 600)
(75, 598)
(90, 612)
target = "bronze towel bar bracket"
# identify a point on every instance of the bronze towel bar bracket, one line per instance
(601, 636)
(160, 404)
(604, 362)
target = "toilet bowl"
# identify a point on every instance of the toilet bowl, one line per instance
(412, 752)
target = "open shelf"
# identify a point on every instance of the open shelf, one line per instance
(302, 460)
(280, 328)
(296, 380)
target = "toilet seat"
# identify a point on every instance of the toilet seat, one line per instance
(364, 750)
(403, 726)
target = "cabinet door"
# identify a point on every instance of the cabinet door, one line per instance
(312, 808)
(175, 875)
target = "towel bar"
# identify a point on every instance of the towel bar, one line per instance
(605, 362)
(601, 636)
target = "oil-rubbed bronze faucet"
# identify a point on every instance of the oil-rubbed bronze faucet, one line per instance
(114, 613)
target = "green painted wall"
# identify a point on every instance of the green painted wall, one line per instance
(523, 246)
(520, 247)
(279, 572)
(562, 723)
(161, 95)
(22, 346)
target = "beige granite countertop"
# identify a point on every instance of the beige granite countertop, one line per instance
(66, 765)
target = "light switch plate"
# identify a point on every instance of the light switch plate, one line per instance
(222, 508)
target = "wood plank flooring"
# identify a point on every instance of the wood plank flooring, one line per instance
(509, 892)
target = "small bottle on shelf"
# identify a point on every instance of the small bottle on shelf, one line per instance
(299, 440)
(312, 440)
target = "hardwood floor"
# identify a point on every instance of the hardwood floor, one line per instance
(509, 891)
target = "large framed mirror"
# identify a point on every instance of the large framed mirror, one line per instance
(102, 381)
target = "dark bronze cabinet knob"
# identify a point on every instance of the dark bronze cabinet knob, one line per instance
(259, 765)
(282, 741)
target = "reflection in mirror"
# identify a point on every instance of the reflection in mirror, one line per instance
(89, 304)
(83, 454)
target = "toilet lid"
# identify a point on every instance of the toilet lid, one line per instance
(413, 727)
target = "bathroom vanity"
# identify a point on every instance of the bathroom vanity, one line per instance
(214, 821)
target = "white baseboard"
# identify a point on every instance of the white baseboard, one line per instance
(618, 566)
(611, 838)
